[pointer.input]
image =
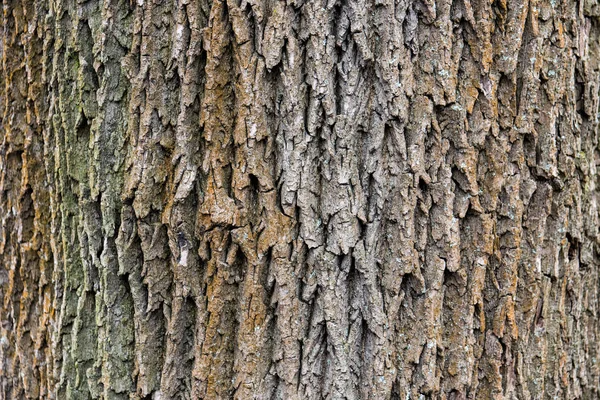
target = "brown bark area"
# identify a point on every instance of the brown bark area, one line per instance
(299, 199)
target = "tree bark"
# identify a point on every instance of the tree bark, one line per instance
(299, 199)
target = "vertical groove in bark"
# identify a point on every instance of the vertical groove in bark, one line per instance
(299, 199)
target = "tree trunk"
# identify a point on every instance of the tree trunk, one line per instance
(303, 199)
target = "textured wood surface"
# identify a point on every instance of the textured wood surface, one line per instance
(299, 199)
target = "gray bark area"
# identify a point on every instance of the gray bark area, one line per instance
(299, 199)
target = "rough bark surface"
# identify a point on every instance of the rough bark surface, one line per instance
(299, 199)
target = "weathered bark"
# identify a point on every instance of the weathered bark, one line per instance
(299, 199)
